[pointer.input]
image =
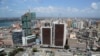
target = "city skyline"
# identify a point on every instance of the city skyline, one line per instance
(48, 8)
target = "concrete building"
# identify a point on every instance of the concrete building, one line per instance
(8, 42)
(28, 40)
(17, 37)
(74, 44)
(59, 35)
(46, 34)
(98, 25)
(69, 23)
(73, 35)
(74, 24)
(5, 37)
(78, 24)
(54, 36)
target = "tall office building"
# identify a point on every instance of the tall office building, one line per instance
(78, 24)
(81, 24)
(46, 33)
(74, 24)
(27, 23)
(59, 35)
(33, 15)
(98, 25)
(17, 37)
(69, 23)
(54, 36)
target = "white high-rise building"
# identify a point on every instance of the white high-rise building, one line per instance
(46, 36)
(54, 36)
(80, 24)
(59, 35)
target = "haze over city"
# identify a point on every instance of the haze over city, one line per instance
(51, 8)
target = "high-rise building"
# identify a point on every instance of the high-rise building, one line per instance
(46, 33)
(59, 35)
(69, 23)
(17, 37)
(98, 25)
(78, 24)
(54, 36)
(74, 24)
(27, 23)
(33, 15)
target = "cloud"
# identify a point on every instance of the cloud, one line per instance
(94, 5)
(48, 9)
(55, 10)
(92, 11)
(4, 8)
(69, 9)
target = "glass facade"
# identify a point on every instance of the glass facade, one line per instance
(33, 15)
(27, 24)
(17, 37)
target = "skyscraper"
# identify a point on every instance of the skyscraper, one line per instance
(59, 35)
(54, 36)
(27, 23)
(33, 15)
(46, 33)
(69, 23)
(17, 37)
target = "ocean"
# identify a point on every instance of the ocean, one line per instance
(6, 23)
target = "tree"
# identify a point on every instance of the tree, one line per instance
(20, 49)
(3, 54)
(66, 47)
(15, 51)
(34, 50)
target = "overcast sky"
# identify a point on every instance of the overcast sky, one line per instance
(48, 8)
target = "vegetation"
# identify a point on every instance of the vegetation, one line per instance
(20, 49)
(2, 54)
(11, 54)
(15, 51)
(66, 47)
(98, 49)
(34, 50)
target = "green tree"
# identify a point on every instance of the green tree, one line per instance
(34, 50)
(66, 47)
(3, 54)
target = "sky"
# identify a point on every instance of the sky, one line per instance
(50, 8)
